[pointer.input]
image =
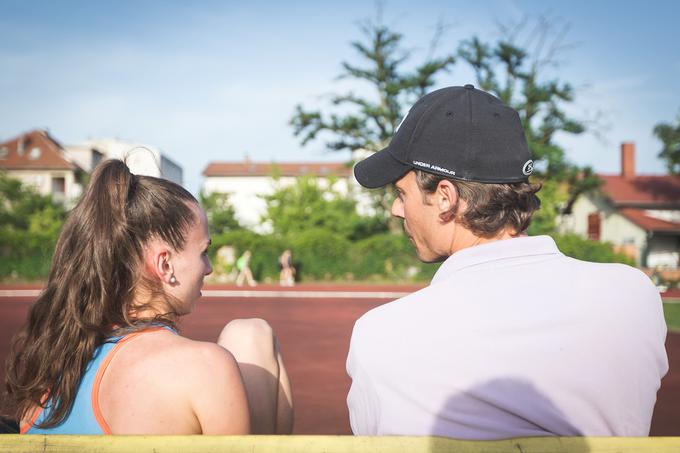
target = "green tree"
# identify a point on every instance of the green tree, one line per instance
(368, 122)
(29, 229)
(669, 135)
(220, 212)
(517, 76)
(512, 72)
(305, 205)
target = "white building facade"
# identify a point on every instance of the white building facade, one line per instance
(247, 183)
(140, 158)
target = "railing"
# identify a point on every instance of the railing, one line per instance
(332, 444)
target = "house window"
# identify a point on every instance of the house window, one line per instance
(58, 185)
(34, 153)
(594, 226)
(4, 151)
(96, 158)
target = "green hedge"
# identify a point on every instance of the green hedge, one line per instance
(587, 250)
(321, 255)
(28, 268)
(317, 254)
(265, 251)
(25, 255)
(389, 257)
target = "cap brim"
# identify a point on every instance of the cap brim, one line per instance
(379, 170)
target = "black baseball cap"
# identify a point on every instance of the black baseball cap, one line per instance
(457, 132)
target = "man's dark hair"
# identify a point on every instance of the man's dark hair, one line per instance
(491, 207)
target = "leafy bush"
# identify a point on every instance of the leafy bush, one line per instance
(384, 254)
(306, 205)
(29, 229)
(320, 254)
(265, 251)
(587, 250)
(26, 268)
(388, 256)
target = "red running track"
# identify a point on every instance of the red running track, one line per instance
(314, 335)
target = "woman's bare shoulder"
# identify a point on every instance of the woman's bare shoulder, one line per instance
(173, 374)
(164, 349)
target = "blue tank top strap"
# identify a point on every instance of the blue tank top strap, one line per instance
(82, 418)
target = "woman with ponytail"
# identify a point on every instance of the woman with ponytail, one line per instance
(100, 352)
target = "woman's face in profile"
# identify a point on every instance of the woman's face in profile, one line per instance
(192, 264)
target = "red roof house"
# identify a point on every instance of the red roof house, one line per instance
(639, 213)
(293, 169)
(37, 159)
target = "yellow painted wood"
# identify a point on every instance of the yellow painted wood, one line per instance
(332, 444)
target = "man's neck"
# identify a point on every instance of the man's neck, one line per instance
(464, 238)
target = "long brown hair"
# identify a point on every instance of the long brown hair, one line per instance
(90, 295)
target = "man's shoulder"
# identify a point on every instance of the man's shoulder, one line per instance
(624, 275)
(389, 314)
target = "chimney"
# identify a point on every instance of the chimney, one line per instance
(20, 145)
(628, 160)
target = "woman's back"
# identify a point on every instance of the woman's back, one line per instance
(180, 387)
(157, 382)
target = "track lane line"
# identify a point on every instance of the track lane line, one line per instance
(265, 294)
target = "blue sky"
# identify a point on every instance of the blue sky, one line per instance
(211, 81)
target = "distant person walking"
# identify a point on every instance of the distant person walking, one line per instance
(287, 274)
(244, 272)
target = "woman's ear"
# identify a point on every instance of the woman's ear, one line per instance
(158, 262)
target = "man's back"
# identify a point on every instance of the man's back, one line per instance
(512, 339)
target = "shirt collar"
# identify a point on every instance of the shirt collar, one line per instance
(497, 250)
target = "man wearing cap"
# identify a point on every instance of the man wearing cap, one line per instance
(511, 338)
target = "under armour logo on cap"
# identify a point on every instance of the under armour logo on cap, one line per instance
(528, 167)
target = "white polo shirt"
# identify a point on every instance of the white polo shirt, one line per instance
(512, 338)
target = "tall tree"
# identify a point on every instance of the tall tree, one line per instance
(669, 135)
(368, 122)
(517, 75)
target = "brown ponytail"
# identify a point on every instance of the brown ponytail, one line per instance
(94, 276)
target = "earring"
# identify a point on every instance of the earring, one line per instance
(173, 279)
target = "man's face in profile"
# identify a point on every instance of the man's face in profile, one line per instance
(421, 219)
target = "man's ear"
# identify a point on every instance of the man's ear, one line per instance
(446, 196)
(448, 202)
(158, 261)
